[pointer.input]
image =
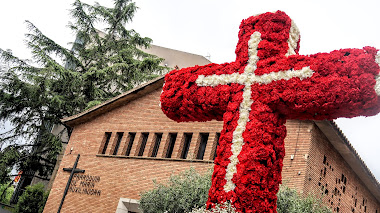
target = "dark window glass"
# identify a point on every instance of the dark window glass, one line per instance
(107, 137)
(157, 141)
(217, 137)
(132, 136)
(119, 137)
(186, 145)
(172, 139)
(143, 143)
(202, 145)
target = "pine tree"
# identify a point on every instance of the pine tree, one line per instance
(58, 82)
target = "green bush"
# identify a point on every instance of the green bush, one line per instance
(188, 192)
(32, 200)
(289, 201)
(181, 193)
(5, 193)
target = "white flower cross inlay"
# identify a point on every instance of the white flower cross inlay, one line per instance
(247, 79)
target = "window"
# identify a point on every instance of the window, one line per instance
(106, 140)
(202, 145)
(157, 141)
(131, 136)
(117, 145)
(186, 144)
(172, 139)
(143, 143)
(217, 137)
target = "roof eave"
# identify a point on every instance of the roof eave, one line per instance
(113, 103)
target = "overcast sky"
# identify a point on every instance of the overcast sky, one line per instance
(210, 28)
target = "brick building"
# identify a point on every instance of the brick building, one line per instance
(127, 142)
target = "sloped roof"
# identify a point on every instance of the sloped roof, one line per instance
(172, 58)
(113, 103)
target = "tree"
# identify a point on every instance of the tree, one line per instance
(58, 82)
(188, 192)
(32, 200)
(8, 158)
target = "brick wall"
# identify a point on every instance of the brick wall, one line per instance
(127, 176)
(124, 176)
(330, 178)
(297, 145)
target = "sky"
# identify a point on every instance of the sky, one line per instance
(210, 28)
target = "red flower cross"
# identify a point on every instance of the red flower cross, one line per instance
(267, 84)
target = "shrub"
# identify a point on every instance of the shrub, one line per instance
(5, 193)
(32, 200)
(289, 201)
(181, 193)
(188, 192)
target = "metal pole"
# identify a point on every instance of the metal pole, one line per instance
(68, 183)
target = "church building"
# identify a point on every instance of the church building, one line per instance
(127, 142)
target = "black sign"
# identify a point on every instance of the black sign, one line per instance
(85, 184)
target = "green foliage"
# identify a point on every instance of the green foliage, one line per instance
(32, 200)
(59, 82)
(6, 191)
(188, 191)
(288, 201)
(8, 157)
(181, 193)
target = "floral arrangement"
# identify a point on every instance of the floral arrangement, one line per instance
(268, 83)
(219, 208)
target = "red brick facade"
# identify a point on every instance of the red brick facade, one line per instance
(329, 176)
(111, 175)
